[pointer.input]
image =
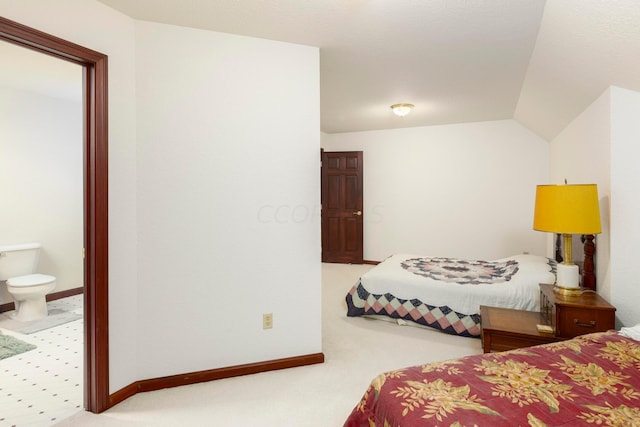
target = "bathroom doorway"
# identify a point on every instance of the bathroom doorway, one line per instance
(42, 198)
(95, 197)
(41, 163)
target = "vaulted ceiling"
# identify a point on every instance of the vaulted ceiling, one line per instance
(539, 62)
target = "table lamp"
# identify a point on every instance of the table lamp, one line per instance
(567, 209)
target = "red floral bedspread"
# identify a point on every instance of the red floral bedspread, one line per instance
(589, 380)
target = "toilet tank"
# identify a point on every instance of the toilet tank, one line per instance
(18, 260)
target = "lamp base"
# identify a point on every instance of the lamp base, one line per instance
(567, 292)
(567, 275)
(567, 280)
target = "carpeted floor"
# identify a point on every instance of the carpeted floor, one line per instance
(355, 349)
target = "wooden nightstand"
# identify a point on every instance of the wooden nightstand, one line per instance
(578, 315)
(506, 329)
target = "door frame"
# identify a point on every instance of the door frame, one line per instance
(95, 165)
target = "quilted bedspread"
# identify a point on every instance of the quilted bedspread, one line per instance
(446, 293)
(361, 302)
(589, 380)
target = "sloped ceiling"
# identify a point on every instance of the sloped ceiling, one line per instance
(584, 46)
(539, 62)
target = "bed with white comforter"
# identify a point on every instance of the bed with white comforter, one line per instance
(446, 293)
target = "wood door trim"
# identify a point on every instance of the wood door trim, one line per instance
(214, 374)
(95, 158)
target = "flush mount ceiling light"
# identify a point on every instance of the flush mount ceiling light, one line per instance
(401, 109)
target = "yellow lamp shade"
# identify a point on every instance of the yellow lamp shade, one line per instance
(567, 209)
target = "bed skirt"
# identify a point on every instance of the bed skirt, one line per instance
(362, 303)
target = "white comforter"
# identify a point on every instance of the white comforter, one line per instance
(520, 292)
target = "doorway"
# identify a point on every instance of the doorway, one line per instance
(342, 207)
(95, 206)
(41, 168)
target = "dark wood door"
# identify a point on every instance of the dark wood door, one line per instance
(342, 207)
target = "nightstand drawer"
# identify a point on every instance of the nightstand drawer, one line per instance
(502, 342)
(574, 321)
(576, 315)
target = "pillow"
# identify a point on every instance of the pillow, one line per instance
(632, 332)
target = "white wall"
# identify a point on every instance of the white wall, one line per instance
(463, 190)
(93, 25)
(41, 181)
(580, 154)
(600, 146)
(214, 146)
(625, 204)
(183, 240)
(216, 143)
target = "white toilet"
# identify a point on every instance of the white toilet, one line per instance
(17, 267)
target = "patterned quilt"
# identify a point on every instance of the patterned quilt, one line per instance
(462, 271)
(361, 302)
(589, 380)
(446, 293)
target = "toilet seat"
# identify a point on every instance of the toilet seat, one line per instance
(30, 280)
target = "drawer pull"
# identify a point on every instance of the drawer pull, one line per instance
(591, 324)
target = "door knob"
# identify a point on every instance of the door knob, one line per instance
(358, 213)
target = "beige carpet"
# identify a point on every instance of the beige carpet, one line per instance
(355, 349)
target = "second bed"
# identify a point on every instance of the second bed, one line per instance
(446, 293)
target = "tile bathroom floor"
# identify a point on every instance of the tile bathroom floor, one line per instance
(45, 385)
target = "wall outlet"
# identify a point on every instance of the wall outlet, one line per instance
(267, 321)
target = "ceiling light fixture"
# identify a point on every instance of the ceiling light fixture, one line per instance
(401, 109)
